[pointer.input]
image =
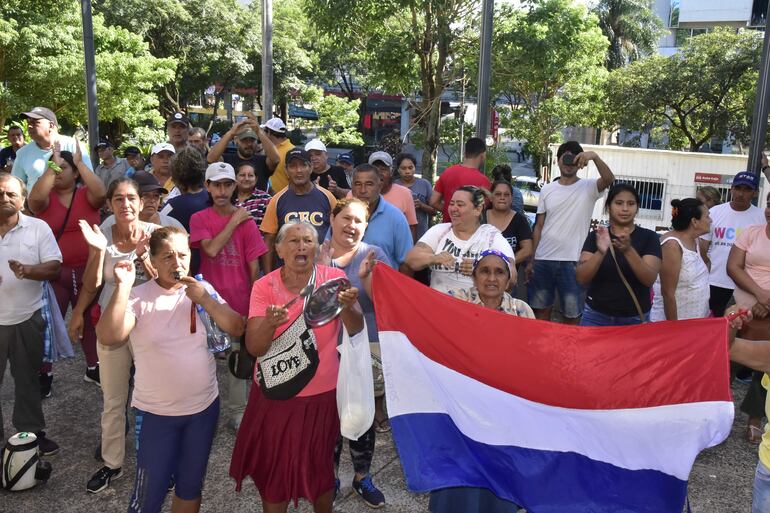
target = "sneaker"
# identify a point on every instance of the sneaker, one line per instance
(92, 376)
(46, 446)
(46, 380)
(101, 480)
(368, 492)
(336, 489)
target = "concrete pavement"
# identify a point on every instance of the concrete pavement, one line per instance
(720, 483)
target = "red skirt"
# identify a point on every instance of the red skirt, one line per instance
(287, 447)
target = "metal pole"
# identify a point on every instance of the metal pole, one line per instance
(91, 102)
(462, 117)
(485, 51)
(761, 105)
(267, 60)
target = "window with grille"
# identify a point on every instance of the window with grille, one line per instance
(652, 195)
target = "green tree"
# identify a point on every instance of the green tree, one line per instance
(41, 63)
(409, 47)
(632, 28)
(337, 117)
(547, 62)
(705, 90)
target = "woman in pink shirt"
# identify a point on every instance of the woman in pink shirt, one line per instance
(175, 391)
(286, 439)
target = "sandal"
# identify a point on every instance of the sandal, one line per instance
(753, 434)
(382, 426)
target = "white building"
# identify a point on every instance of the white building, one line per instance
(685, 18)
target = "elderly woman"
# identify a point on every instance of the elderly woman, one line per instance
(449, 249)
(286, 439)
(175, 392)
(749, 266)
(348, 252)
(491, 274)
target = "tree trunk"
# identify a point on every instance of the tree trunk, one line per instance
(430, 151)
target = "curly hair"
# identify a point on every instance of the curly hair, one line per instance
(188, 168)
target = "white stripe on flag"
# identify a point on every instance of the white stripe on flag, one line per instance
(663, 438)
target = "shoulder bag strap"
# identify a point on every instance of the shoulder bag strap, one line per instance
(67, 215)
(625, 282)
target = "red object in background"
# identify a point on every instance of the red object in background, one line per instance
(367, 121)
(494, 126)
(707, 178)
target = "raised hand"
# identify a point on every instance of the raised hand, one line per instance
(348, 297)
(275, 315)
(93, 235)
(367, 265)
(124, 273)
(444, 259)
(326, 252)
(194, 289)
(143, 242)
(603, 239)
(240, 215)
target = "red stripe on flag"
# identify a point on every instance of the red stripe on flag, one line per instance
(567, 366)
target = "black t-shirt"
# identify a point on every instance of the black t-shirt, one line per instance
(5, 154)
(607, 294)
(335, 172)
(516, 231)
(260, 167)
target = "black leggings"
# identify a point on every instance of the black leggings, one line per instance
(361, 452)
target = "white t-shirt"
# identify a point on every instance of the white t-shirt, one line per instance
(30, 242)
(726, 225)
(31, 161)
(567, 210)
(175, 372)
(442, 238)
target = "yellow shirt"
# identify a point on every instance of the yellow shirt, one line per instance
(279, 179)
(764, 447)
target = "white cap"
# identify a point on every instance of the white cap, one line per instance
(315, 144)
(164, 146)
(382, 156)
(276, 125)
(220, 171)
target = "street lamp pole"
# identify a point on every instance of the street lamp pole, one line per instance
(761, 106)
(90, 62)
(485, 54)
(267, 60)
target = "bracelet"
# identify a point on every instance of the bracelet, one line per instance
(54, 167)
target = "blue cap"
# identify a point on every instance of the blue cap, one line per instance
(345, 157)
(746, 178)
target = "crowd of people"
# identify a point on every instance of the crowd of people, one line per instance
(123, 246)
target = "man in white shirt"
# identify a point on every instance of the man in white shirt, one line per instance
(563, 220)
(32, 159)
(727, 222)
(29, 256)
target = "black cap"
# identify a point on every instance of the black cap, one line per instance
(41, 113)
(178, 117)
(297, 153)
(131, 150)
(103, 143)
(147, 183)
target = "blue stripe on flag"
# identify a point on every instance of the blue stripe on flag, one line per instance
(435, 455)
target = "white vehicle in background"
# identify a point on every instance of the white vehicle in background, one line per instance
(530, 190)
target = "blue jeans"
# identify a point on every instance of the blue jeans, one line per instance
(548, 276)
(593, 318)
(761, 501)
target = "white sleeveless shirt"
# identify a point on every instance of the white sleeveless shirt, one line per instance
(692, 289)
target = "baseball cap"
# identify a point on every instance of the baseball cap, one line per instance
(315, 144)
(148, 183)
(246, 134)
(276, 125)
(178, 117)
(164, 146)
(297, 153)
(131, 150)
(382, 156)
(103, 143)
(41, 113)
(746, 178)
(345, 157)
(220, 171)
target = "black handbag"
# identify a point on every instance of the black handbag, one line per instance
(290, 363)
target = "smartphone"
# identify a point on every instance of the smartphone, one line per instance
(568, 159)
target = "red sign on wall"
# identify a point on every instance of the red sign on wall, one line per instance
(708, 178)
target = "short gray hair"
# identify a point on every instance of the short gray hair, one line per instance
(197, 130)
(288, 225)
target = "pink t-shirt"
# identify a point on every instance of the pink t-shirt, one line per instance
(269, 290)
(229, 271)
(175, 372)
(753, 240)
(455, 177)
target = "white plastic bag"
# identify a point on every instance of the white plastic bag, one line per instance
(355, 388)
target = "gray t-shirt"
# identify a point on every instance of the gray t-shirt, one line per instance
(351, 271)
(112, 256)
(422, 190)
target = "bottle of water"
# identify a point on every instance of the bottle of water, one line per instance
(216, 339)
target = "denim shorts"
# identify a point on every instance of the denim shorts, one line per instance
(761, 501)
(550, 276)
(593, 318)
